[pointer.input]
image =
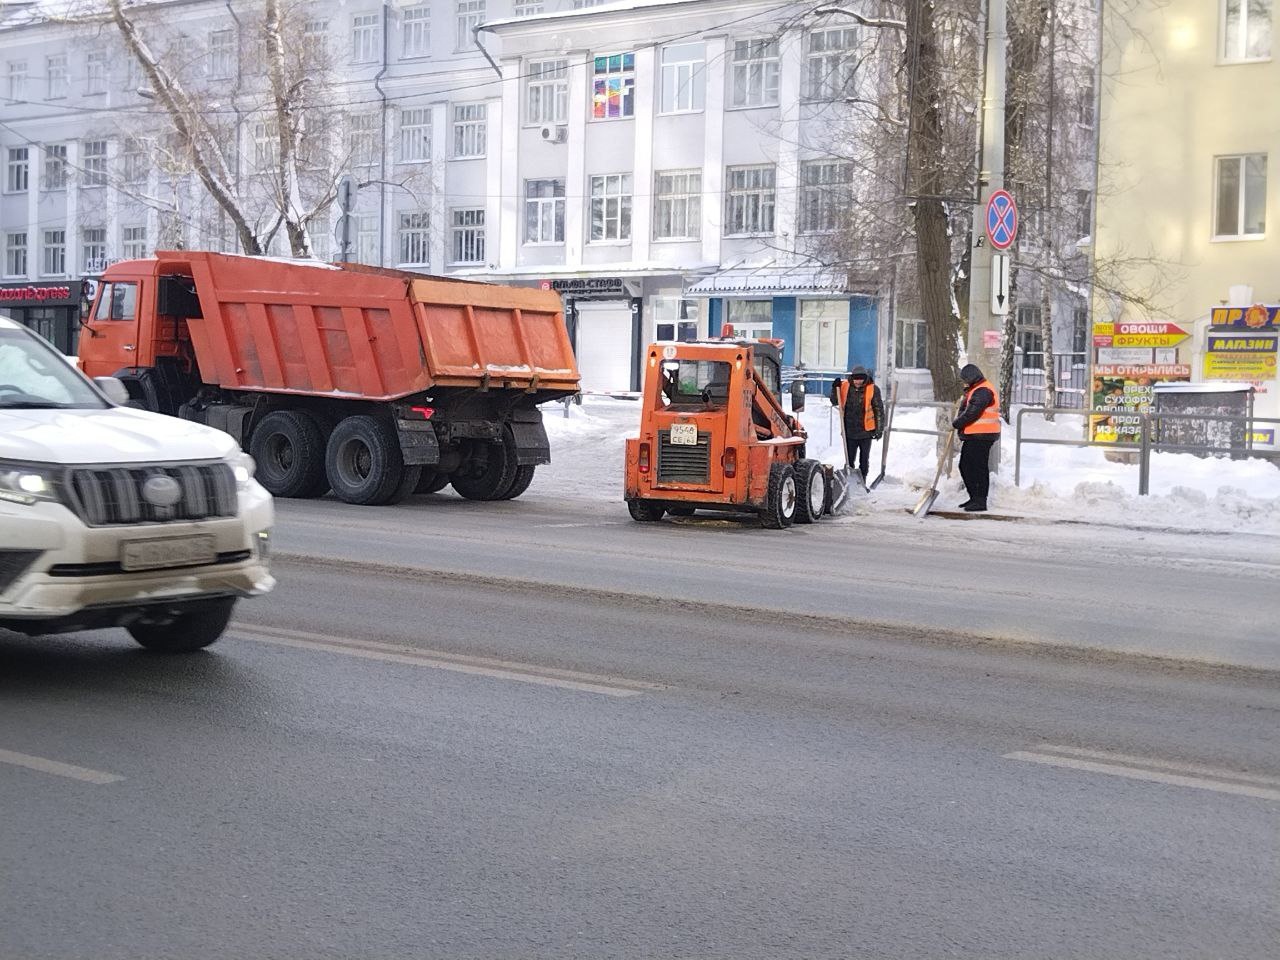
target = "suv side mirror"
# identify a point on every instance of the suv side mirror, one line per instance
(114, 388)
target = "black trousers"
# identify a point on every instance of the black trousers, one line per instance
(975, 455)
(859, 449)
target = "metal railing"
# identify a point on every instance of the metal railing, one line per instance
(1070, 377)
(1147, 443)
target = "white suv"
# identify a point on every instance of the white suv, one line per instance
(115, 517)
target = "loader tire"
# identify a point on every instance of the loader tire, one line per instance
(488, 474)
(645, 511)
(523, 477)
(364, 463)
(680, 511)
(811, 491)
(780, 499)
(289, 450)
(431, 480)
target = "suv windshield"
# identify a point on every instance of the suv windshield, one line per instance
(34, 375)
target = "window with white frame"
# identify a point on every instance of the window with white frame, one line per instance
(315, 37)
(752, 319)
(362, 138)
(415, 238)
(684, 78)
(17, 172)
(830, 61)
(544, 211)
(133, 74)
(56, 76)
(677, 204)
(750, 195)
(93, 163)
(367, 239)
(1240, 196)
(546, 91)
(675, 318)
(93, 249)
(1246, 29)
(584, 4)
(528, 8)
(96, 74)
(1029, 337)
(471, 14)
(755, 73)
(415, 135)
(320, 233)
(824, 334)
(415, 33)
(1084, 212)
(825, 193)
(266, 145)
(133, 242)
(221, 60)
(910, 345)
(469, 130)
(365, 40)
(467, 236)
(54, 248)
(611, 207)
(1080, 330)
(17, 76)
(134, 165)
(55, 166)
(613, 86)
(15, 254)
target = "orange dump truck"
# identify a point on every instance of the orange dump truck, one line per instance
(368, 382)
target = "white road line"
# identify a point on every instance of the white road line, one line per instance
(1216, 773)
(57, 768)
(442, 660)
(1150, 775)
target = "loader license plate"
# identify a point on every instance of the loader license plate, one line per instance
(685, 434)
(169, 552)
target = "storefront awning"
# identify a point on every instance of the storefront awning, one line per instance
(749, 281)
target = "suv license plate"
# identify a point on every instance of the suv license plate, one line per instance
(170, 552)
(685, 434)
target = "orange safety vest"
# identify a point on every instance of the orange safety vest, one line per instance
(989, 420)
(868, 412)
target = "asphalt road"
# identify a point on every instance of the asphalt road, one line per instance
(389, 765)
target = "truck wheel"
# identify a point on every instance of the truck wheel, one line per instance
(523, 477)
(489, 474)
(680, 511)
(197, 625)
(364, 463)
(288, 448)
(408, 483)
(780, 500)
(431, 481)
(645, 511)
(811, 491)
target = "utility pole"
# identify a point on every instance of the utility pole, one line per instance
(990, 179)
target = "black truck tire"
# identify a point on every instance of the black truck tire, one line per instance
(198, 624)
(780, 499)
(811, 491)
(431, 480)
(520, 483)
(489, 474)
(680, 511)
(645, 511)
(289, 449)
(364, 463)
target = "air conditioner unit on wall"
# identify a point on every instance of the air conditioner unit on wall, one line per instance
(555, 133)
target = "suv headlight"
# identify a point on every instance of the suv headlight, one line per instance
(27, 482)
(243, 467)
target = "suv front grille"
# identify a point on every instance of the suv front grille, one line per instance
(680, 463)
(107, 496)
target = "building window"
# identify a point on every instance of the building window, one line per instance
(1080, 330)
(362, 138)
(16, 174)
(133, 162)
(584, 4)
(315, 38)
(364, 38)
(684, 77)
(1084, 212)
(468, 236)
(1246, 29)
(544, 211)
(55, 253)
(1085, 105)
(755, 73)
(415, 238)
(15, 254)
(415, 137)
(675, 318)
(1240, 194)
(824, 334)
(320, 234)
(547, 91)
(93, 249)
(55, 166)
(469, 130)
(222, 54)
(93, 162)
(367, 237)
(613, 86)
(470, 16)
(752, 319)
(528, 8)
(611, 207)
(677, 205)
(829, 64)
(56, 73)
(825, 193)
(266, 146)
(415, 33)
(95, 72)
(133, 242)
(749, 200)
(1030, 336)
(17, 80)
(910, 345)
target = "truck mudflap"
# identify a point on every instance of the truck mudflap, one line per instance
(418, 443)
(532, 445)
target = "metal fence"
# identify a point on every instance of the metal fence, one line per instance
(1070, 373)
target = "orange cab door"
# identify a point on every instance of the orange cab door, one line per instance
(110, 340)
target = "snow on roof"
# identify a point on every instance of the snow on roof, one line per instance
(768, 279)
(620, 6)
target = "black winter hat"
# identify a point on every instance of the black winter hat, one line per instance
(860, 371)
(970, 373)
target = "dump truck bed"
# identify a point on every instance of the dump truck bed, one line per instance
(330, 330)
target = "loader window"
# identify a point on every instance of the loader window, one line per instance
(119, 301)
(769, 375)
(695, 382)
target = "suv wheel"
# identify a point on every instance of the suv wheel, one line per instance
(193, 626)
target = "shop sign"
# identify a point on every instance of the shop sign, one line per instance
(1123, 391)
(1148, 335)
(1257, 317)
(1102, 334)
(1240, 358)
(585, 286)
(39, 294)
(1264, 437)
(1129, 355)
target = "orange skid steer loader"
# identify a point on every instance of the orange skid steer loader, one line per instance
(714, 436)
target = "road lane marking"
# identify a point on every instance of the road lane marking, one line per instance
(57, 768)
(442, 660)
(1152, 770)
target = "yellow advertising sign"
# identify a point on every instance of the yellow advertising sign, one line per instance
(1147, 339)
(1240, 366)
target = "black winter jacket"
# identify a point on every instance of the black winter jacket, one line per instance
(855, 408)
(979, 401)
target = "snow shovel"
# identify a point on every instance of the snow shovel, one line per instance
(884, 444)
(842, 477)
(925, 503)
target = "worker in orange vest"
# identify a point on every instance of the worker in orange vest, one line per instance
(862, 407)
(978, 425)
